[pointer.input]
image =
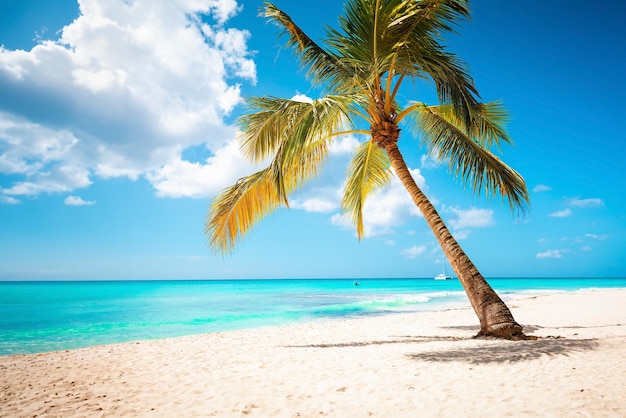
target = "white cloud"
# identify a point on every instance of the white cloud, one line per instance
(596, 237)
(302, 98)
(78, 201)
(541, 188)
(181, 178)
(223, 9)
(393, 206)
(414, 251)
(28, 146)
(552, 254)
(585, 248)
(319, 196)
(341, 221)
(390, 207)
(314, 205)
(561, 213)
(471, 218)
(462, 234)
(586, 203)
(55, 179)
(344, 144)
(123, 91)
(428, 161)
(8, 200)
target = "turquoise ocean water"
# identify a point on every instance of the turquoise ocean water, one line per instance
(47, 316)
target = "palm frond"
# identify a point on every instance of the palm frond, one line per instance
(415, 20)
(392, 38)
(296, 135)
(489, 124)
(419, 52)
(438, 16)
(452, 81)
(274, 120)
(322, 66)
(368, 172)
(470, 160)
(237, 208)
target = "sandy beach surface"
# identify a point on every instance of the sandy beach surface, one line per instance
(405, 365)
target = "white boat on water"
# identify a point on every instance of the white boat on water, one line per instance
(443, 276)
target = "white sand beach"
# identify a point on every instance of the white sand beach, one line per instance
(408, 365)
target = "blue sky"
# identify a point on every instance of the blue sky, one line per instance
(117, 129)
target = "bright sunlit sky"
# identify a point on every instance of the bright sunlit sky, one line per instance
(117, 128)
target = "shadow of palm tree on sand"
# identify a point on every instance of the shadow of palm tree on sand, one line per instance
(508, 351)
(489, 350)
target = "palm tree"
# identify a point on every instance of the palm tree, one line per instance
(360, 69)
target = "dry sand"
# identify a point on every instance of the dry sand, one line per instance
(413, 365)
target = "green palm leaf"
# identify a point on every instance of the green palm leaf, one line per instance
(468, 156)
(368, 172)
(324, 68)
(236, 209)
(399, 38)
(296, 135)
(488, 127)
(274, 121)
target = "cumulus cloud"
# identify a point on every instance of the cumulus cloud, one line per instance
(552, 254)
(461, 235)
(413, 251)
(344, 144)
(56, 179)
(181, 178)
(8, 200)
(315, 204)
(123, 91)
(323, 196)
(471, 218)
(596, 237)
(561, 213)
(586, 203)
(390, 207)
(541, 188)
(428, 161)
(78, 201)
(302, 98)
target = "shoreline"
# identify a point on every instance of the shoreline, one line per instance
(37, 317)
(393, 365)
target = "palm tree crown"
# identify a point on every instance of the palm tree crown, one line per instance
(360, 69)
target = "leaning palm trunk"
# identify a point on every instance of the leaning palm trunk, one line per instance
(495, 317)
